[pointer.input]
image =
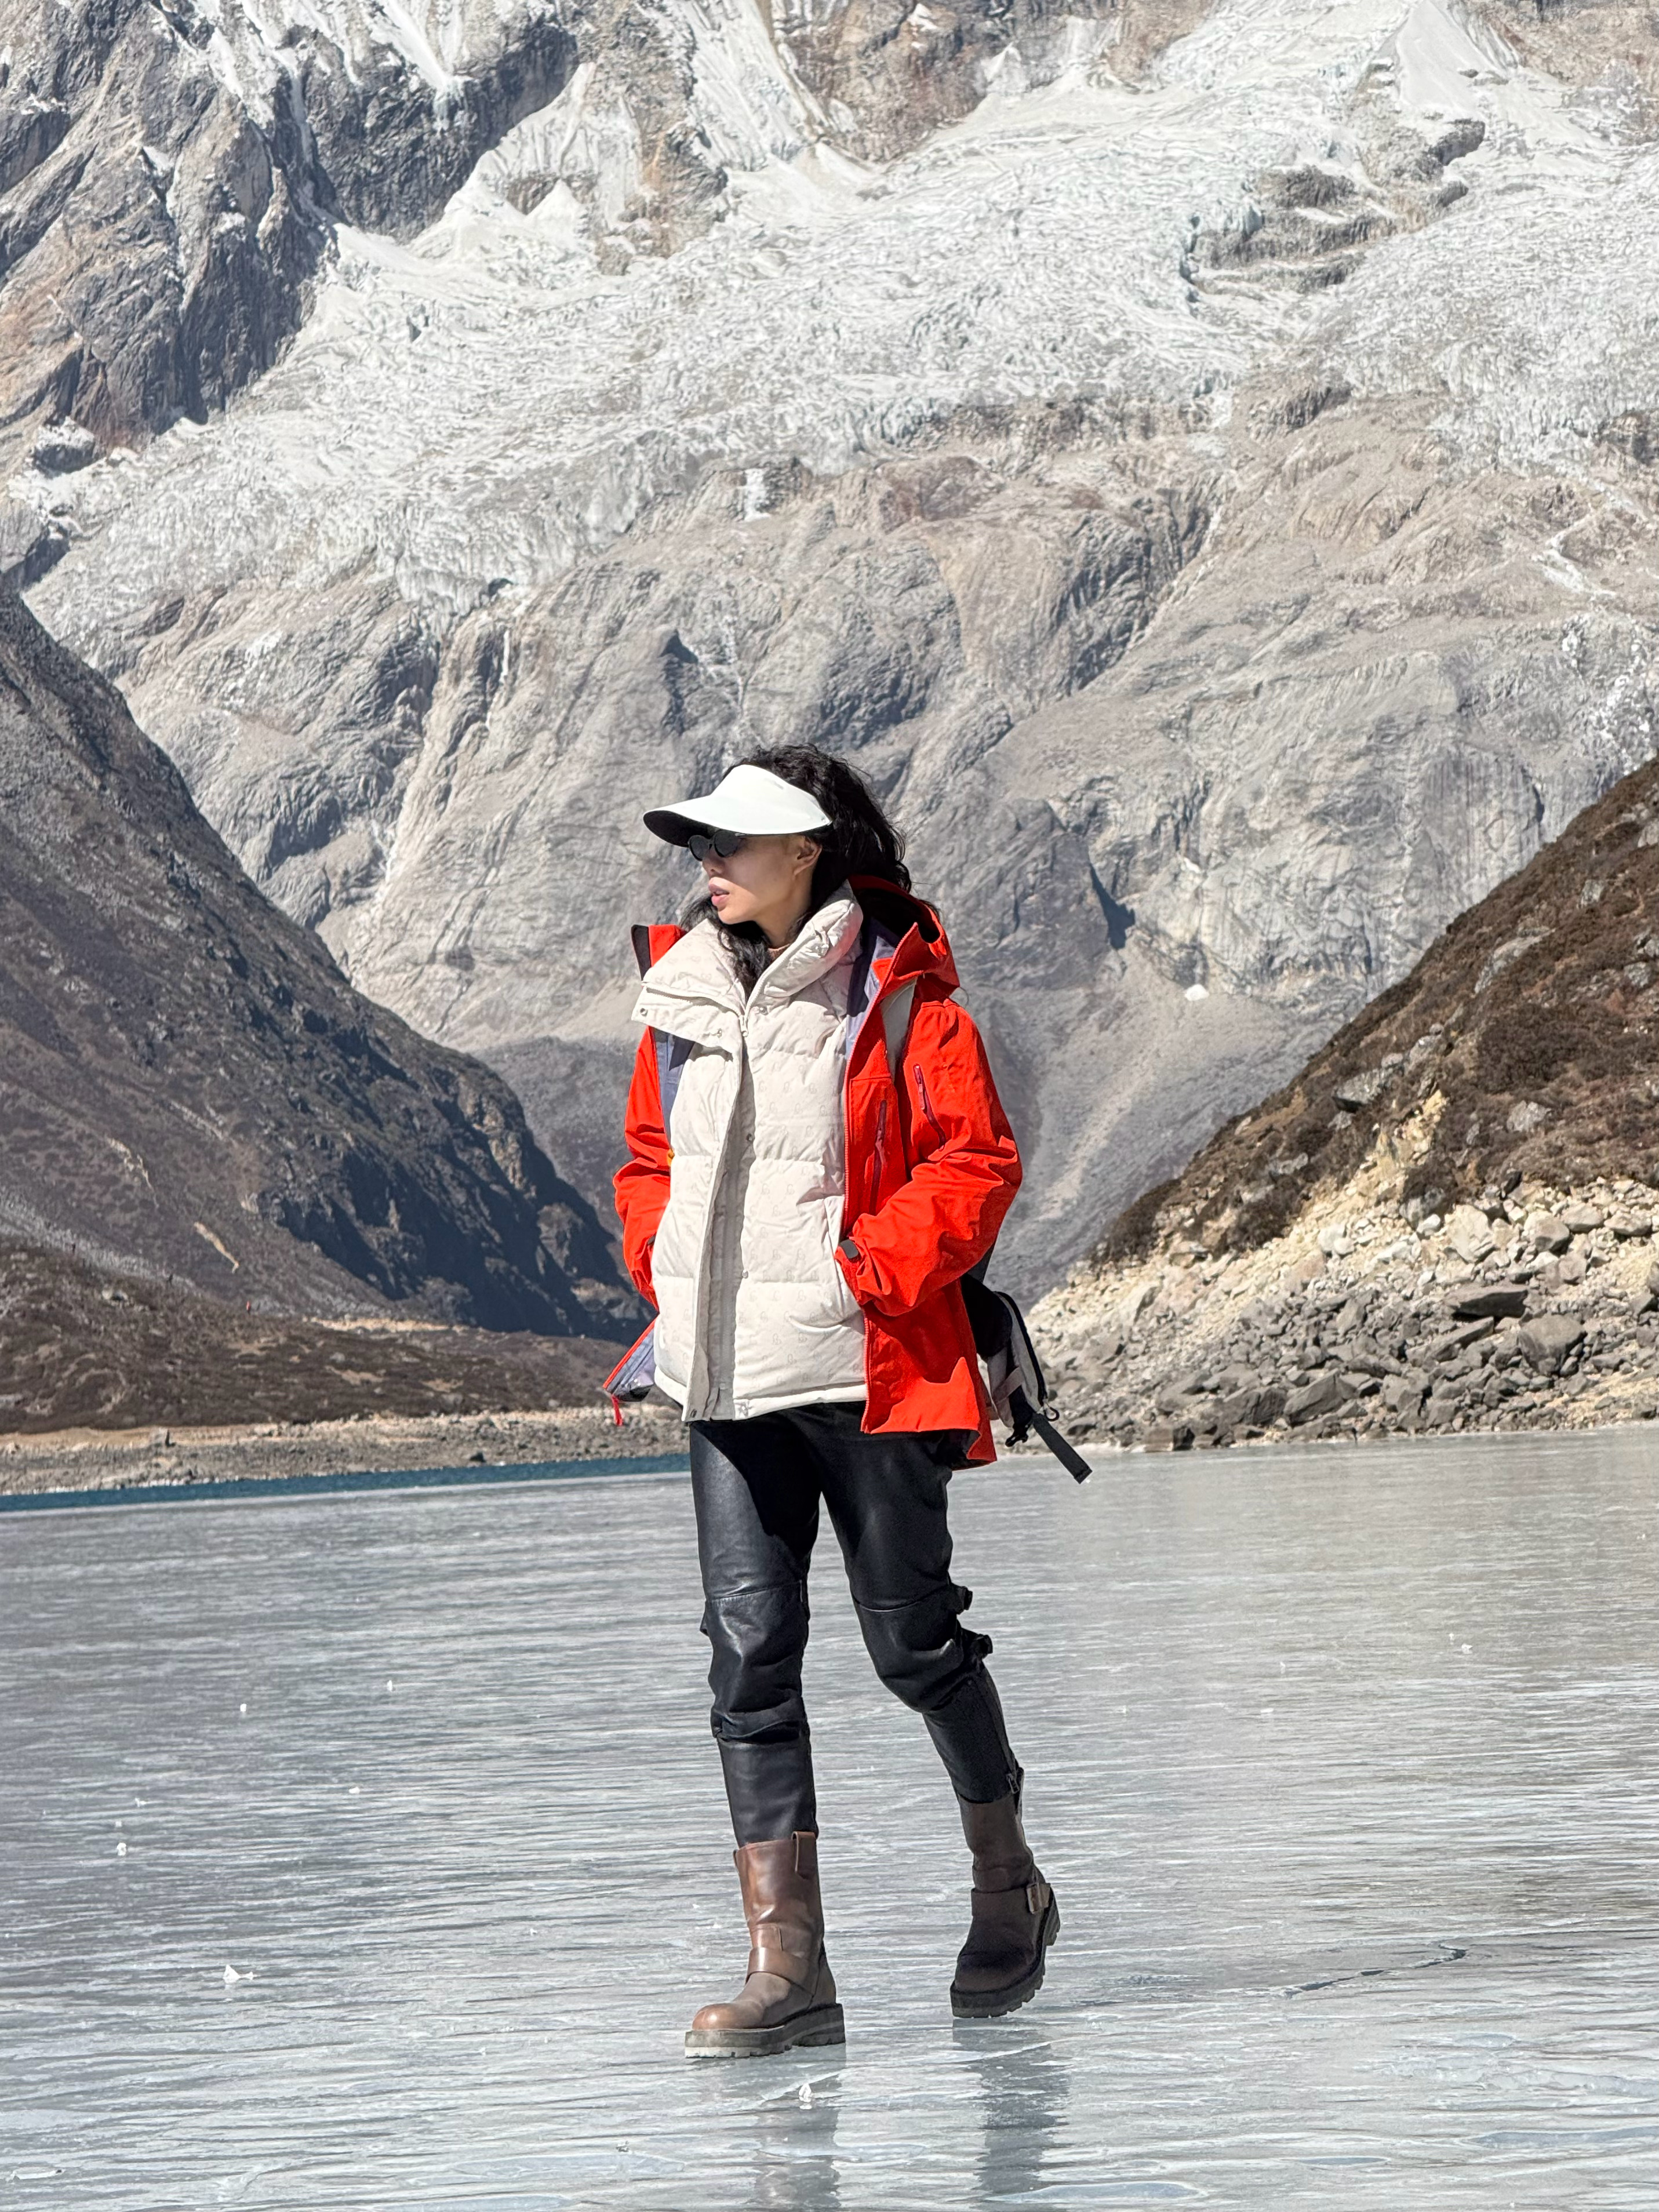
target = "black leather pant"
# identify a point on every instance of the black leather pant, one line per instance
(757, 1484)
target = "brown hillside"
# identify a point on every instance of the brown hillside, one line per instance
(1522, 1045)
(82, 1348)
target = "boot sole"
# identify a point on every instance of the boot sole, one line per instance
(991, 2004)
(807, 2031)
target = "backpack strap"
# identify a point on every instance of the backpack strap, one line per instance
(673, 1052)
(877, 945)
(895, 1023)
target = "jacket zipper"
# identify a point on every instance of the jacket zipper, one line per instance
(723, 1375)
(878, 1176)
(928, 1103)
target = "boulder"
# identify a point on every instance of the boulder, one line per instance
(1177, 1436)
(1498, 1302)
(1469, 1234)
(1456, 1341)
(1371, 1362)
(1091, 1359)
(1545, 1342)
(1404, 1393)
(1582, 1220)
(1324, 1394)
(1460, 1369)
(1174, 1394)
(1257, 1406)
(1546, 1232)
(1628, 1227)
(62, 447)
(1232, 1379)
(1359, 1090)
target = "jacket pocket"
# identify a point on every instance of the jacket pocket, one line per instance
(843, 1305)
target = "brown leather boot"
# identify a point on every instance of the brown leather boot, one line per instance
(789, 1997)
(1015, 1915)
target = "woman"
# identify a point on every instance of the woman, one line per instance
(816, 1155)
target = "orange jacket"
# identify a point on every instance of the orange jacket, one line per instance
(931, 1169)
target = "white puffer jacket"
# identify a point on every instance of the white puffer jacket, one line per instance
(753, 1314)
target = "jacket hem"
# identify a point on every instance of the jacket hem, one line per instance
(754, 1408)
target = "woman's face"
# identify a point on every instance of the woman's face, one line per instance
(766, 880)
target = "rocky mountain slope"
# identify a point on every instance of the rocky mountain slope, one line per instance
(1446, 1220)
(169, 180)
(192, 1095)
(1199, 460)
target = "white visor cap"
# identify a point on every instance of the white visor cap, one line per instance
(751, 801)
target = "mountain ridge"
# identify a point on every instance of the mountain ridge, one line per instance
(194, 1095)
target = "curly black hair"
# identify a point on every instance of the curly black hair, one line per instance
(861, 841)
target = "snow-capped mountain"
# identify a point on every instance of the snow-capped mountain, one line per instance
(1200, 460)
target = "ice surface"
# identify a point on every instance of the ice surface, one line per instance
(1343, 1762)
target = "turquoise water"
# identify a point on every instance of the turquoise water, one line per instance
(1343, 1762)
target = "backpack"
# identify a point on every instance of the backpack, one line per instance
(1013, 1374)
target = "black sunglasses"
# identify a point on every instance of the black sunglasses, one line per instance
(724, 842)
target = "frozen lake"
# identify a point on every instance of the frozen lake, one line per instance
(1343, 1762)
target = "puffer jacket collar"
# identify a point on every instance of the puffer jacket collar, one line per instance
(692, 991)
